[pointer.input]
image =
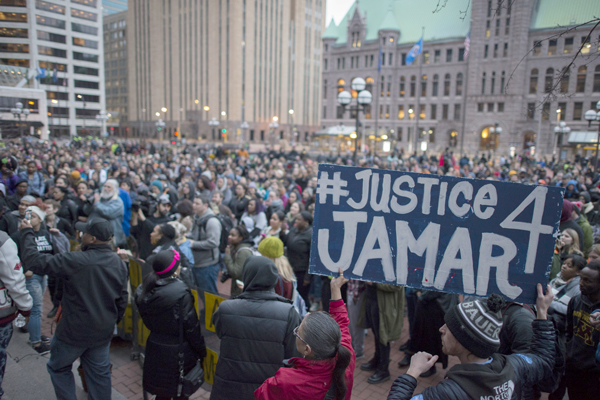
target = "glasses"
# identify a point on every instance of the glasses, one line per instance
(298, 336)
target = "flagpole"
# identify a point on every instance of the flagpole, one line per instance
(465, 94)
(418, 105)
(378, 82)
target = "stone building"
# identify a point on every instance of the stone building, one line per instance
(517, 51)
(253, 68)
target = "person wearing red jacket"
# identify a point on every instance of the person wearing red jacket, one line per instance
(327, 367)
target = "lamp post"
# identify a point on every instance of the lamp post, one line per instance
(273, 125)
(80, 98)
(560, 130)
(17, 112)
(363, 100)
(292, 132)
(213, 123)
(103, 116)
(160, 125)
(591, 115)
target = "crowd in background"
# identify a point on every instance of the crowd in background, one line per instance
(216, 210)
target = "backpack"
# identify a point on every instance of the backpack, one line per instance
(226, 226)
(297, 300)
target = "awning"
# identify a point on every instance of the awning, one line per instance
(583, 137)
(336, 131)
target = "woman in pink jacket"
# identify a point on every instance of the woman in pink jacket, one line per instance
(327, 367)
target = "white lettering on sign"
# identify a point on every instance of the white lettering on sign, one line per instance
(365, 177)
(377, 234)
(385, 193)
(412, 203)
(333, 187)
(501, 263)
(460, 242)
(467, 190)
(350, 220)
(427, 183)
(427, 243)
(481, 200)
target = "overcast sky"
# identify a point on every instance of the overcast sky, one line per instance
(337, 9)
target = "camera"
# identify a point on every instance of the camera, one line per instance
(28, 216)
(144, 203)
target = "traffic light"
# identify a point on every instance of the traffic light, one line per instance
(159, 128)
(176, 133)
(224, 132)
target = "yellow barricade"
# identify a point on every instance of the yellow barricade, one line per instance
(211, 303)
(210, 365)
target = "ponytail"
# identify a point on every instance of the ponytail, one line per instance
(343, 360)
(149, 282)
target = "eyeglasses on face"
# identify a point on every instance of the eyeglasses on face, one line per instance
(298, 336)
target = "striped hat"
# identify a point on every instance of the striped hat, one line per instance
(475, 327)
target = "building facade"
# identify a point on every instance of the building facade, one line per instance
(500, 95)
(253, 68)
(60, 44)
(113, 6)
(115, 71)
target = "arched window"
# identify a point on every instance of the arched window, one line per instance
(528, 140)
(413, 85)
(459, 84)
(424, 86)
(340, 85)
(488, 139)
(564, 81)
(402, 84)
(597, 79)
(447, 85)
(453, 137)
(549, 80)
(369, 84)
(581, 73)
(533, 81)
(483, 83)
(434, 89)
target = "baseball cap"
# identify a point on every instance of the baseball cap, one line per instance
(97, 227)
(164, 199)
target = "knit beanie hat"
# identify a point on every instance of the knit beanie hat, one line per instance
(166, 263)
(75, 175)
(38, 211)
(271, 247)
(158, 184)
(475, 327)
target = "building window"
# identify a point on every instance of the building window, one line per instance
(493, 83)
(453, 142)
(457, 112)
(546, 112)
(562, 111)
(448, 55)
(91, 44)
(530, 111)
(50, 51)
(426, 57)
(444, 112)
(402, 83)
(500, 107)
(339, 62)
(413, 85)
(552, 47)
(382, 86)
(85, 70)
(461, 54)
(485, 51)
(84, 28)
(88, 98)
(262, 136)
(387, 111)
(13, 17)
(497, 32)
(19, 48)
(89, 3)
(564, 81)
(549, 80)
(507, 26)
(577, 111)
(537, 48)
(585, 41)
(480, 107)
(437, 56)
(14, 32)
(403, 56)
(581, 74)
(483, 83)
(431, 133)
(85, 57)
(339, 112)
(381, 111)
(411, 111)
(422, 111)
(505, 51)
(434, 89)
(372, 58)
(369, 84)
(490, 107)
(568, 46)
(401, 111)
(252, 135)
(84, 14)
(368, 112)
(390, 59)
(399, 131)
(502, 82)
(489, 8)
(86, 84)
(47, 21)
(597, 79)
(325, 88)
(447, 85)
(366, 61)
(389, 86)
(433, 112)
(424, 86)
(459, 84)
(50, 7)
(487, 29)
(325, 65)
(383, 59)
(496, 50)
(533, 81)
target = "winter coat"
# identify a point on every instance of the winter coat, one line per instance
(390, 299)
(234, 263)
(36, 184)
(251, 352)
(311, 379)
(588, 235)
(298, 247)
(95, 290)
(141, 232)
(68, 210)
(558, 308)
(126, 223)
(582, 338)
(112, 210)
(12, 281)
(494, 379)
(206, 236)
(160, 311)
(238, 206)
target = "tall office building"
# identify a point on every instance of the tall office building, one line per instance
(60, 45)
(253, 67)
(110, 7)
(115, 71)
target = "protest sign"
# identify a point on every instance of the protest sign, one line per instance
(468, 236)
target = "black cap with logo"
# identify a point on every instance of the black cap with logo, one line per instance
(97, 227)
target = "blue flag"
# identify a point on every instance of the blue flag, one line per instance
(379, 61)
(414, 52)
(41, 73)
(55, 75)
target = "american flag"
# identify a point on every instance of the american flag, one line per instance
(467, 44)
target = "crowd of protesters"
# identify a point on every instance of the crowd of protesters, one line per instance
(197, 214)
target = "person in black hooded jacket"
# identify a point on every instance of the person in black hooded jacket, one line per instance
(482, 373)
(162, 299)
(251, 352)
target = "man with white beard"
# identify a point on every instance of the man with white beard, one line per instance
(108, 205)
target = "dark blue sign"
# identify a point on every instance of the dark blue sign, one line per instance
(469, 236)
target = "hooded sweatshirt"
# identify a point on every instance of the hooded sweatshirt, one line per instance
(492, 380)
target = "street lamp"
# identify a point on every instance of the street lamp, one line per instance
(591, 115)
(560, 130)
(213, 123)
(160, 125)
(363, 99)
(273, 125)
(17, 112)
(244, 127)
(103, 116)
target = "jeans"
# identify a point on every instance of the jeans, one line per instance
(36, 285)
(96, 367)
(206, 278)
(6, 332)
(357, 333)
